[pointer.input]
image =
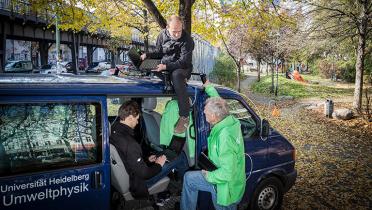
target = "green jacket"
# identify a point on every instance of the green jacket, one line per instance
(168, 122)
(226, 151)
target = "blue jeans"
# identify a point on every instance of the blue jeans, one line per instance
(181, 164)
(192, 183)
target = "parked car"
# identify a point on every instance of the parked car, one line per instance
(19, 67)
(67, 65)
(52, 69)
(98, 67)
(127, 66)
(38, 113)
(91, 66)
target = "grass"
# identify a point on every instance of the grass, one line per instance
(300, 90)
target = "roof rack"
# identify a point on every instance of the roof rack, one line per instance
(203, 77)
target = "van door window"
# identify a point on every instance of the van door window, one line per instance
(41, 136)
(152, 112)
(248, 125)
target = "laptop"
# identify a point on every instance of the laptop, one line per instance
(147, 65)
(174, 149)
(205, 163)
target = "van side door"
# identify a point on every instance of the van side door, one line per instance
(52, 153)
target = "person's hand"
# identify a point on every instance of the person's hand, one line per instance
(161, 160)
(206, 83)
(161, 67)
(143, 56)
(205, 173)
(152, 158)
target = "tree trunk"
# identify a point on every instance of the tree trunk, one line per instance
(113, 53)
(359, 66)
(185, 8)
(74, 53)
(155, 13)
(272, 79)
(267, 69)
(185, 13)
(258, 70)
(238, 78)
(146, 31)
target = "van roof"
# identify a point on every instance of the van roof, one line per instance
(35, 84)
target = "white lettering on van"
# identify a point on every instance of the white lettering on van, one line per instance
(53, 194)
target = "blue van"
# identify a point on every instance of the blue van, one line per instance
(55, 151)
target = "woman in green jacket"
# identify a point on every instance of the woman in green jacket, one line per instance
(226, 150)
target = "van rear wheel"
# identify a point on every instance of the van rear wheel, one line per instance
(268, 195)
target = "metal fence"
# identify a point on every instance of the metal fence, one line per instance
(204, 55)
(23, 8)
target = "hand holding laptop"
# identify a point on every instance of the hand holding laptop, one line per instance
(152, 158)
(160, 67)
(143, 56)
(161, 160)
(204, 172)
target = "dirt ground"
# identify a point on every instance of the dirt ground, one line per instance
(333, 157)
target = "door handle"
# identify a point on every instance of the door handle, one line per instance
(97, 180)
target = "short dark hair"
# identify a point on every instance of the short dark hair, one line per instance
(128, 108)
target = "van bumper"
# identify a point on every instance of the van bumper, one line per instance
(290, 180)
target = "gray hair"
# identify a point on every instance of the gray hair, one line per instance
(218, 107)
(175, 18)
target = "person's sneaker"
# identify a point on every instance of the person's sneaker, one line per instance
(182, 124)
(165, 195)
(163, 198)
(160, 202)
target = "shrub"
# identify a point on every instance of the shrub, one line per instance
(327, 69)
(224, 71)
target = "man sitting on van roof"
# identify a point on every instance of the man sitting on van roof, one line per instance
(174, 47)
(122, 137)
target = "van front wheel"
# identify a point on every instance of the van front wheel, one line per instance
(268, 195)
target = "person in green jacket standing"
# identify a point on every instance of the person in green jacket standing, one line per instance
(226, 150)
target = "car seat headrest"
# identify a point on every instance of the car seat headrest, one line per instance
(149, 103)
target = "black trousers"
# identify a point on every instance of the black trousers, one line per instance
(178, 78)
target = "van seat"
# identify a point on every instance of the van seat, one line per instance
(152, 120)
(120, 177)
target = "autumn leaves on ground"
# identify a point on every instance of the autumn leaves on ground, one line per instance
(333, 157)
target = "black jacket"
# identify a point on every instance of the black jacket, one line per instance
(176, 54)
(122, 137)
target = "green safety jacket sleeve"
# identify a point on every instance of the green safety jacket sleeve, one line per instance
(211, 91)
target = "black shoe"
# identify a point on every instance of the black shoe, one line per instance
(177, 206)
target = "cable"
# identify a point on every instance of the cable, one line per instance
(195, 92)
(250, 173)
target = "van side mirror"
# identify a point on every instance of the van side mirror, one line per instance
(265, 128)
